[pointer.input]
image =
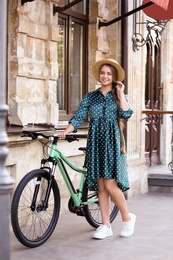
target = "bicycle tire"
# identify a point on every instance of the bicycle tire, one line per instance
(170, 166)
(33, 227)
(92, 211)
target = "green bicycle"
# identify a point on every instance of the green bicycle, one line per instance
(36, 201)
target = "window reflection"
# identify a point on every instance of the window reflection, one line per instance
(76, 64)
(61, 59)
(80, 7)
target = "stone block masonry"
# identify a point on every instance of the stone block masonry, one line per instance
(33, 65)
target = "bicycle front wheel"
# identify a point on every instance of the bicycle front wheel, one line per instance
(33, 222)
(92, 210)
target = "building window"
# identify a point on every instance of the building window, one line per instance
(72, 59)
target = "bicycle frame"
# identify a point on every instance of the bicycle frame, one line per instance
(76, 196)
(36, 201)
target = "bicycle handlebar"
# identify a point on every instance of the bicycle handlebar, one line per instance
(74, 137)
(69, 138)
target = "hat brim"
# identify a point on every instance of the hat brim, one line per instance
(96, 69)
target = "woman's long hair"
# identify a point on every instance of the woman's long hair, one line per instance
(120, 120)
(117, 99)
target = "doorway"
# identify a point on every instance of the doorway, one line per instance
(153, 95)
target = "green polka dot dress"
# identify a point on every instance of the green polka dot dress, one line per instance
(103, 145)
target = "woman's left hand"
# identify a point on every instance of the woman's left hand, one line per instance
(120, 87)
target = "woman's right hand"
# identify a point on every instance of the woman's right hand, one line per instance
(62, 134)
(67, 131)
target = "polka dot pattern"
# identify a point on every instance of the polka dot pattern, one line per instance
(103, 145)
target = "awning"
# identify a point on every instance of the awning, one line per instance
(164, 4)
(157, 9)
(160, 9)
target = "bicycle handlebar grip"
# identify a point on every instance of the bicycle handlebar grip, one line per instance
(71, 138)
(79, 135)
(33, 135)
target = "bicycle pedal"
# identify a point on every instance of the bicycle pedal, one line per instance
(80, 212)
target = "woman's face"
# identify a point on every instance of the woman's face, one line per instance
(106, 75)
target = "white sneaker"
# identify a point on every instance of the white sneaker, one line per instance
(128, 227)
(102, 232)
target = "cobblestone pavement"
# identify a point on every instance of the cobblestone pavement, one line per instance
(72, 238)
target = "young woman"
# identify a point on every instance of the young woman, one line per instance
(106, 107)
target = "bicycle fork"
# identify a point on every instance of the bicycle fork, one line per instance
(43, 205)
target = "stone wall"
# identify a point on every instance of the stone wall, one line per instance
(32, 63)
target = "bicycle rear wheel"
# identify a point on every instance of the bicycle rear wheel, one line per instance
(92, 211)
(32, 221)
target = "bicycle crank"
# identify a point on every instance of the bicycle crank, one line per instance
(76, 210)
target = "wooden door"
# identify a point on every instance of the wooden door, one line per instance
(153, 94)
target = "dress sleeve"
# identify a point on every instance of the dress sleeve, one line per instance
(81, 114)
(125, 114)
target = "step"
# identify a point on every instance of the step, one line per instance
(165, 180)
(160, 183)
(160, 189)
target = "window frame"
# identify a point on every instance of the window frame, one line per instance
(69, 16)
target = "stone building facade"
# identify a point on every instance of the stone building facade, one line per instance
(33, 37)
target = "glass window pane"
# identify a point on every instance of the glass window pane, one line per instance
(76, 64)
(80, 7)
(61, 59)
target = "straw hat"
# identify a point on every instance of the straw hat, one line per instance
(98, 64)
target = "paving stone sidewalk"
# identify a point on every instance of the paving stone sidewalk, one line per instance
(72, 238)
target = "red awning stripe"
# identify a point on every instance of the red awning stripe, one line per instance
(157, 9)
(162, 3)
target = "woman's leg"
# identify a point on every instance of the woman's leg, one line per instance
(104, 230)
(109, 188)
(118, 198)
(104, 201)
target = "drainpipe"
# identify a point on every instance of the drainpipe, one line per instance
(6, 182)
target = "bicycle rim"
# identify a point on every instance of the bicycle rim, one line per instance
(33, 227)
